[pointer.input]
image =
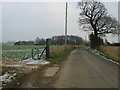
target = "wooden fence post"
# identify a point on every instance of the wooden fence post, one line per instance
(47, 48)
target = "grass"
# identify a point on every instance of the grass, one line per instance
(112, 58)
(110, 50)
(109, 53)
(20, 47)
(61, 55)
(56, 50)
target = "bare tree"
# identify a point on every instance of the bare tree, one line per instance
(95, 14)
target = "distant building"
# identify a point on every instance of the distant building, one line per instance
(24, 43)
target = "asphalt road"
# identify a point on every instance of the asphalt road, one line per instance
(83, 69)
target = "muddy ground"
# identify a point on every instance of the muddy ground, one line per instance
(43, 77)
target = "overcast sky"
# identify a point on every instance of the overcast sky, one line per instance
(28, 20)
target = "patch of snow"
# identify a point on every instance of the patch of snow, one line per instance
(15, 65)
(111, 60)
(97, 53)
(32, 61)
(27, 60)
(37, 62)
(7, 77)
(32, 67)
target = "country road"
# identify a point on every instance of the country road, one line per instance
(81, 69)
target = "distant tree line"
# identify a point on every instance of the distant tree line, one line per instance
(112, 44)
(71, 40)
(24, 43)
(39, 41)
(55, 40)
(115, 44)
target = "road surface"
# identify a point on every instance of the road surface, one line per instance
(82, 69)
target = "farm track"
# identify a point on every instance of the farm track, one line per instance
(81, 69)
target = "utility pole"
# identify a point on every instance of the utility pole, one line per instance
(85, 40)
(66, 26)
(119, 21)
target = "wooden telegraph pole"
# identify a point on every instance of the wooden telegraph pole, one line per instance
(66, 27)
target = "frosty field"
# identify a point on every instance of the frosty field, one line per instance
(18, 52)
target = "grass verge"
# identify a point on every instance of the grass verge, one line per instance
(61, 55)
(106, 55)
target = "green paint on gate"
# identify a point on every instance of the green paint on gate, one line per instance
(37, 52)
(47, 48)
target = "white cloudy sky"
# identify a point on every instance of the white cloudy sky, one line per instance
(28, 20)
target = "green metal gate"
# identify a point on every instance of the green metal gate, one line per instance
(37, 53)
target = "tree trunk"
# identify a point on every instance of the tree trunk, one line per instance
(95, 33)
(94, 28)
